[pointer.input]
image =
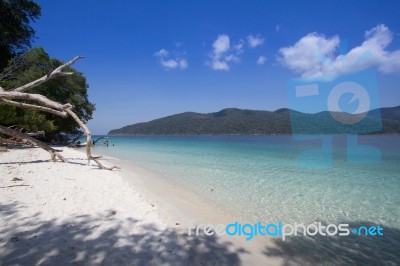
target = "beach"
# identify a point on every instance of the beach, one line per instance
(73, 213)
(199, 133)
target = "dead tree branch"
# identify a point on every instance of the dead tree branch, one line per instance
(36, 107)
(34, 97)
(88, 142)
(15, 133)
(56, 72)
(96, 159)
(47, 105)
(87, 132)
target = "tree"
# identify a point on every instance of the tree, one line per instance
(72, 89)
(15, 32)
(18, 97)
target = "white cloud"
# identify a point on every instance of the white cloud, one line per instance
(183, 64)
(303, 56)
(278, 28)
(261, 60)
(221, 44)
(254, 41)
(239, 46)
(231, 58)
(220, 65)
(170, 63)
(314, 55)
(161, 53)
(223, 53)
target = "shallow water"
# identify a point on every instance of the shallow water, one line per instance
(265, 178)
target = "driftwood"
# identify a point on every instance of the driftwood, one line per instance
(44, 104)
(71, 143)
(37, 133)
(32, 106)
(95, 141)
(15, 133)
(56, 72)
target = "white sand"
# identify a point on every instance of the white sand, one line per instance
(77, 214)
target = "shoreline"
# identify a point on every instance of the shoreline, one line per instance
(76, 213)
(181, 208)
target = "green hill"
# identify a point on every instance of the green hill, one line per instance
(238, 121)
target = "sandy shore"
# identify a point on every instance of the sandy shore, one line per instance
(55, 213)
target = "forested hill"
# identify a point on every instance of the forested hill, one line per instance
(238, 121)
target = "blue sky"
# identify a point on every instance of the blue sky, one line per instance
(148, 59)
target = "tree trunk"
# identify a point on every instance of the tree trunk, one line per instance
(87, 132)
(48, 106)
(16, 134)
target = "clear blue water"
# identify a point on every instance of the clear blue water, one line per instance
(260, 177)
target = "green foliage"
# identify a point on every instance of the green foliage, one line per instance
(33, 121)
(237, 121)
(15, 32)
(8, 114)
(64, 89)
(18, 69)
(227, 121)
(30, 120)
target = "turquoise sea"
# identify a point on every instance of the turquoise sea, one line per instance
(262, 178)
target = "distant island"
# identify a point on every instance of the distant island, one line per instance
(252, 122)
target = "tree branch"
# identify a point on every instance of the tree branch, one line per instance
(86, 130)
(51, 107)
(102, 166)
(37, 107)
(15, 133)
(56, 72)
(34, 97)
(89, 142)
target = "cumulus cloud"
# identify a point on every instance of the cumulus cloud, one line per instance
(254, 41)
(161, 53)
(239, 46)
(221, 44)
(224, 53)
(165, 60)
(261, 60)
(220, 65)
(304, 56)
(171, 63)
(314, 55)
